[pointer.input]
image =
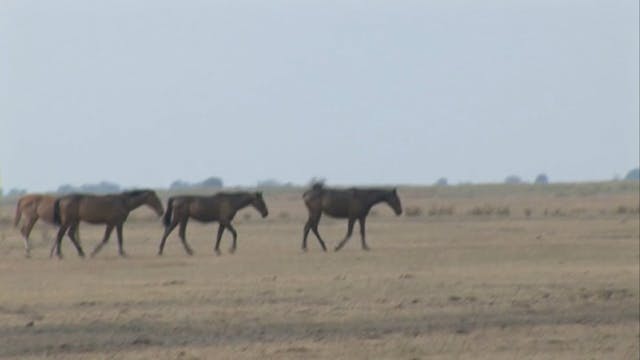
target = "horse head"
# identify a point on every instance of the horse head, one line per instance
(151, 199)
(393, 200)
(259, 204)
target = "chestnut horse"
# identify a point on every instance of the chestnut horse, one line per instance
(221, 207)
(30, 208)
(111, 210)
(352, 204)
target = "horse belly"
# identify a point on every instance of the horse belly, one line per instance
(339, 213)
(45, 211)
(204, 217)
(337, 205)
(203, 212)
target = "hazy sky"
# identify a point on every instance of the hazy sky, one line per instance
(360, 92)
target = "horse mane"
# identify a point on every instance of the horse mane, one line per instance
(316, 186)
(133, 193)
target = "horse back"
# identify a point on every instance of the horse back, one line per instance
(204, 209)
(100, 209)
(45, 209)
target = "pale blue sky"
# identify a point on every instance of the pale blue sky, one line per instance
(360, 92)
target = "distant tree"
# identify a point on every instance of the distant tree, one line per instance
(179, 184)
(633, 174)
(103, 187)
(212, 182)
(541, 179)
(65, 189)
(513, 179)
(16, 192)
(442, 182)
(271, 183)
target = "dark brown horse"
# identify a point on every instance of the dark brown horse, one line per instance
(111, 210)
(30, 208)
(221, 207)
(352, 204)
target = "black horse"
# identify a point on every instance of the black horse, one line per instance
(352, 204)
(221, 207)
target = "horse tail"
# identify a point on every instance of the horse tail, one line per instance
(56, 212)
(16, 218)
(166, 219)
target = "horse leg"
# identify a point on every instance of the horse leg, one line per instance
(56, 245)
(312, 223)
(235, 236)
(305, 233)
(220, 231)
(317, 234)
(183, 237)
(26, 231)
(364, 242)
(120, 240)
(73, 232)
(167, 231)
(107, 234)
(346, 238)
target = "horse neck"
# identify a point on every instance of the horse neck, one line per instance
(374, 197)
(241, 200)
(134, 202)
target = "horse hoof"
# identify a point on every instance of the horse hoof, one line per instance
(123, 255)
(217, 252)
(190, 252)
(159, 253)
(304, 249)
(366, 248)
(232, 250)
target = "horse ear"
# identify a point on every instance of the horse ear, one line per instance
(259, 194)
(395, 190)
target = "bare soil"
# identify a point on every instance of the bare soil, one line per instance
(555, 277)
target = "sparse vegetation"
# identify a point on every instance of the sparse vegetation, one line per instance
(441, 210)
(413, 211)
(623, 209)
(488, 210)
(484, 210)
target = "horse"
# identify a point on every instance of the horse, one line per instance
(221, 207)
(111, 210)
(352, 204)
(32, 207)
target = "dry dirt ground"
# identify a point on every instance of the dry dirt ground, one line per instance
(554, 275)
